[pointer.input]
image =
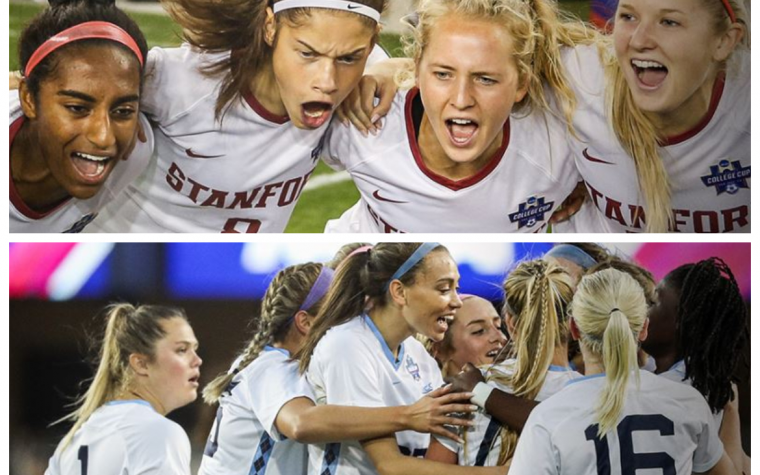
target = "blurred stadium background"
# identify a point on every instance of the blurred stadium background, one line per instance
(327, 194)
(57, 290)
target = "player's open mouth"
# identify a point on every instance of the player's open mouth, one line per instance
(443, 323)
(91, 167)
(314, 114)
(194, 380)
(461, 131)
(651, 74)
(493, 353)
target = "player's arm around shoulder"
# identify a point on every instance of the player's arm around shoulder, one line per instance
(388, 460)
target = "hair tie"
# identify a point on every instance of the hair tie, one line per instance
(416, 257)
(89, 30)
(614, 310)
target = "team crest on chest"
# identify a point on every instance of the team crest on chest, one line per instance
(412, 368)
(727, 177)
(80, 225)
(531, 211)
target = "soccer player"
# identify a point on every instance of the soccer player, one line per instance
(664, 119)
(240, 111)
(537, 294)
(148, 367)
(267, 412)
(617, 419)
(360, 350)
(480, 144)
(697, 330)
(74, 118)
(474, 336)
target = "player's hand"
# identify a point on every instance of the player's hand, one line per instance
(439, 408)
(359, 107)
(571, 205)
(466, 379)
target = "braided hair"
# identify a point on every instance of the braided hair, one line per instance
(282, 300)
(711, 326)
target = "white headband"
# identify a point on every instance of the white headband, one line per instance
(330, 4)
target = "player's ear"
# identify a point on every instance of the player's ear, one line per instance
(574, 331)
(644, 331)
(303, 321)
(26, 98)
(139, 363)
(397, 291)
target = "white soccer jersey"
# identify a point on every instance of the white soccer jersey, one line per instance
(124, 437)
(708, 167)
(677, 373)
(244, 439)
(73, 215)
(483, 441)
(243, 175)
(517, 191)
(664, 427)
(353, 366)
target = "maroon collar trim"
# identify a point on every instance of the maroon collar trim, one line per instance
(15, 198)
(717, 93)
(455, 185)
(250, 99)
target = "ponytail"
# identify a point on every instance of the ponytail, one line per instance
(610, 310)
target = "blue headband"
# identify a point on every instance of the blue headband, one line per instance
(573, 254)
(319, 289)
(416, 257)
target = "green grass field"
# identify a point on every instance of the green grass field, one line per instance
(317, 204)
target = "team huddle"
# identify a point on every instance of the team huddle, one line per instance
(589, 368)
(506, 117)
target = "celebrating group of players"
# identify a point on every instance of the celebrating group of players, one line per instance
(503, 108)
(344, 373)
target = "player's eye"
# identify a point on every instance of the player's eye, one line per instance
(486, 81)
(307, 54)
(77, 108)
(442, 74)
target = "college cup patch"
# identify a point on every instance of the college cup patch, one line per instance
(531, 211)
(727, 177)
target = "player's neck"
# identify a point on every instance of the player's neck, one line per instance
(438, 161)
(560, 356)
(142, 394)
(266, 91)
(31, 176)
(665, 361)
(387, 321)
(688, 115)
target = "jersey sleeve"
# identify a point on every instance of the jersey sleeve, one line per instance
(709, 446)
(271, 389)
(336, 144)
(534, 454)
(349, 374)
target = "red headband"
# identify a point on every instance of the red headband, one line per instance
(730, 11)
(83, 31)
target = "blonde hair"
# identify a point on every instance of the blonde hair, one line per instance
(237, 27)
(638, 135)
(537, 294)
(282, 300)
(129, 330)
(538, 29)
(610, 311)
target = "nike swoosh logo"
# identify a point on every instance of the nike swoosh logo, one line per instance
(354, 7)
(192, 154)
(377, 196)
(594, 159)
